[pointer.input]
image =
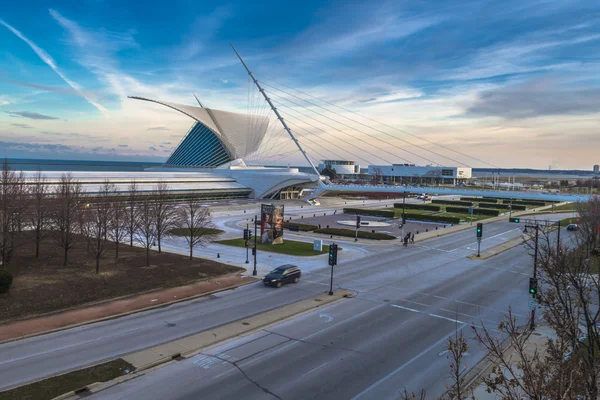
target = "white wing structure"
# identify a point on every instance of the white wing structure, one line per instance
(218, 137)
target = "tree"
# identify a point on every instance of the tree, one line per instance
(67, 212)
(145, 232)
(118, 221)
(96, 217)
(195, 222)
(39, 215)
(131, 211)
(8, 208)
(329, 172)
(164, 213)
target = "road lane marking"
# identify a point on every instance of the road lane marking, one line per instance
(487, 238)
(400, 368)
(314, 369)
(293, 342)
(469, 304)
(431, 315)
(329, 317)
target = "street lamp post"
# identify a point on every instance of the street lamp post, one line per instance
(247, 244)
(535, 258)
(254, 273)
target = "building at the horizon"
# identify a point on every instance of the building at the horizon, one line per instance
(344, 169)
(596, 169)
(411, 173)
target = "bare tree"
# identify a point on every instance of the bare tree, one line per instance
(164, 213)
(195, 222)
(118, 224)
(8, 200)
(39, 216)
(456, 349)
(131, 211)
(145, 233)
(96, 218)
(66, 214)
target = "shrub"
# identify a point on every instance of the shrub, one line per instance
(459, 210)
(494, 205)
(426, 207)
(301, 227)
(6, 280)
(350, 233)
(471, 199)
(453, 202)
(373, 213)
(433, 218)
(524, 202)
(486, 211)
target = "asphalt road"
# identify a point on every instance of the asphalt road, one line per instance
(387, 325)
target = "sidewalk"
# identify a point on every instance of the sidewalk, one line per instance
(116, 308)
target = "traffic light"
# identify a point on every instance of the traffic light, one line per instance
(246, 232)
(403, 220)
(479, 230)
(246, 243)
(533, 286)
(333, 248)
(250, 234)
(254, 251)
(357, 221)
(514, 220)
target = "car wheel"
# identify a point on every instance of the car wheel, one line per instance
(296, 280)
(279, 284)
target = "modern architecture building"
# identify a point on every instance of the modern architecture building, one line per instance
(343, 168)
(216, 145)
(411, 173)
(596, 169)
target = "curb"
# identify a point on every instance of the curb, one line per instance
(501, 248)
(165, 361)
(114, 316)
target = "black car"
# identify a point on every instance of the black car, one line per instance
(572, 227)
(282, 275)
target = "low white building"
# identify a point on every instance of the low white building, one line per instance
(410, 173)
(345, 169)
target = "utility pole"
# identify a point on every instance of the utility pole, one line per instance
(247, 242)
(357, 226)
(558, 239)
(254, 273)
(535, 263)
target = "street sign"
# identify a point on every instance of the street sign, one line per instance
(532, 304)
(470, 210)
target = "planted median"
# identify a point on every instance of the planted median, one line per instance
(290, 247)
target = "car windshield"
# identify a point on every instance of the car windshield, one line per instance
(278, 270)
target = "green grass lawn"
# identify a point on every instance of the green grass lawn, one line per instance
(57, 385)
(290, 247)
(205, 231)
(565, 207)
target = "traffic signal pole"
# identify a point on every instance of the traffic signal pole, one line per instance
(254, 273)
(535, 257)
(247, 244)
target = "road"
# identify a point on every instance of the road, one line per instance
(395, 303)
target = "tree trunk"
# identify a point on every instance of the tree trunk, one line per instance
(191, 251)
(97, 263)
(147, 256)
(37, 243)
(158, 239)
(131, 238)
(117, 250)
(66, 252)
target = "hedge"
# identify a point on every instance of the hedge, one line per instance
(426, 207)
(6, 280)
(453, 202)
(525, 202)
(433, 218)
(374, 213)
(302, 227)
(471, 199)
(459, 210)
(486, 211)
(351, 233)
(494, 205)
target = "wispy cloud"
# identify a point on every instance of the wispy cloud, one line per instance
(123, 145)
(45, 57)
(152, 148)
(24, 126)
(158, 128)
(29, 114)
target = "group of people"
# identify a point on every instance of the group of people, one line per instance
(409, 237)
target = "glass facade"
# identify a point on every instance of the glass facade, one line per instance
(200, 148)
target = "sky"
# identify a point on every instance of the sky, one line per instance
(507, 83)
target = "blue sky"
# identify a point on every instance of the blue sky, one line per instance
(515, 83)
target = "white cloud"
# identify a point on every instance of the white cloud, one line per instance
(45, 57)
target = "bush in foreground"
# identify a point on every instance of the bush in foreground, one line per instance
(373, 213)
(6, 280)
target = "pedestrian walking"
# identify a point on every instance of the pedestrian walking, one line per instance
(405, 240)
(412, 238)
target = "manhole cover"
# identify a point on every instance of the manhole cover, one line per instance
(245, 323)
(171, 324)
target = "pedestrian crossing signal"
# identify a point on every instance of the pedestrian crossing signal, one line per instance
(514, 220)
(479, 230)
